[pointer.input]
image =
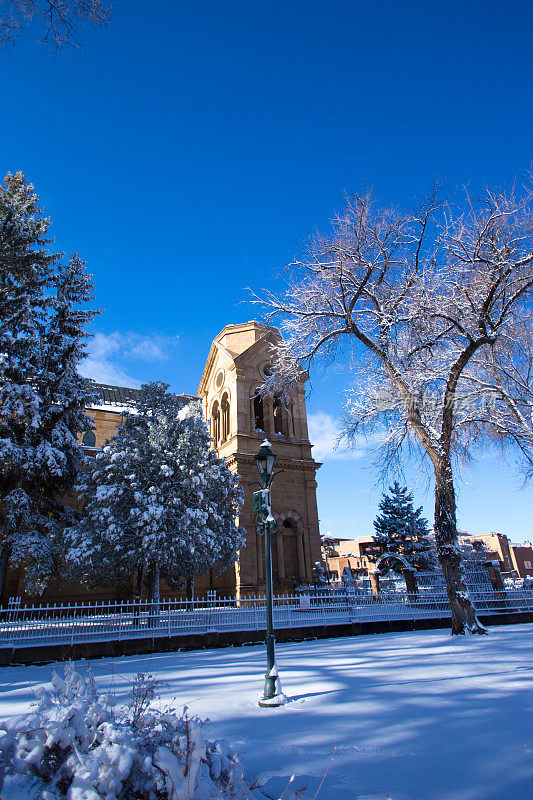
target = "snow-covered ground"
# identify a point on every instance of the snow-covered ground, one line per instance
(410, 716)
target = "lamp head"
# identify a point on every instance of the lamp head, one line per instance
(265, 462)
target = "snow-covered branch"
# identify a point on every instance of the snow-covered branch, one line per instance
(421, 305)
(57, 19)
(158, 499)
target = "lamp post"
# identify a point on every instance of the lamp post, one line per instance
(265, 458)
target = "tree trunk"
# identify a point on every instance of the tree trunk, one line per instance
(139, 583)
(464, 618)
(153, 584)
(137, 599)
(190, 589)
(153, 595)
(5, 554)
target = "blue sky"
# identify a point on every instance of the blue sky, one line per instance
(188, 149)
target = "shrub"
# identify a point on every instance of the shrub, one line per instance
(75, 744)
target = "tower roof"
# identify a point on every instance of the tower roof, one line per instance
(234, 340)
(238, 338)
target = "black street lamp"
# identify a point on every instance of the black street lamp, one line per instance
(272, 694)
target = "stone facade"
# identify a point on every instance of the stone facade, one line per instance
(239, 420)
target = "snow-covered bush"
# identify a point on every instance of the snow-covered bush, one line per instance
(158, 499)
(75, 744)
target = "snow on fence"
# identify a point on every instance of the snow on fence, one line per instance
(34, 626)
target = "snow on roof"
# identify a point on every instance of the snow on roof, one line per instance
(121, 398)
(109, 395)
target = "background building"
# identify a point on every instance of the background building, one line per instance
(516, 560)
(239, 419)
(339, 554)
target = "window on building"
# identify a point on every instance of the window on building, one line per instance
(215, 423)
(528, 564)
(258, 413)
(89, 439)
(290, 549)
(225, 422)
(280, 416)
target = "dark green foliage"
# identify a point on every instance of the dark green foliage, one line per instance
(403, 530)
(158, 499)
(43, 314)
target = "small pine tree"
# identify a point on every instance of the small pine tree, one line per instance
(403, 530)
(42, 397)
(158, 501)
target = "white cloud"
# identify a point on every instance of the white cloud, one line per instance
(147, 349)
(106, 352)
(132, 345)
(324, 433)
(103, 371)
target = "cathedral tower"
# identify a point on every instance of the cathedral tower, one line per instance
(239, 419)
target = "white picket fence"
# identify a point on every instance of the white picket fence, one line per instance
(34, 626)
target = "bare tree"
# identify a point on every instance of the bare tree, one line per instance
(507, 377)
(423, 304)
(58, 19)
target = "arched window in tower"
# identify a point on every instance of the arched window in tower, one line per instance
(280, 416)
(89, 439)
(224, 411)
(215, 423)
(290, 549)
(258, 413)
(290, 420)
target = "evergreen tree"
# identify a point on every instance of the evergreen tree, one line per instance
(42, 398)
(403, 530)
(158, 502)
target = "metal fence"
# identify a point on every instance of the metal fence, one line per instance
(34, 626)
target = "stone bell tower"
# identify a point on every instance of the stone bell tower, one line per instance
(239, 419)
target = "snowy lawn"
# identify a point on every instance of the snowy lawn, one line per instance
(413, 716)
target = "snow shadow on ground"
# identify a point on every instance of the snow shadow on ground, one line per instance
(413, 716)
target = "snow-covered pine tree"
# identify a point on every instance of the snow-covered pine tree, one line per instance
(403, 530)
(158, 501)
(42, 398)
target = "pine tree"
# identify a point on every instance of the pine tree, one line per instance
(42, 398)
(403, 530)
(158, 502)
